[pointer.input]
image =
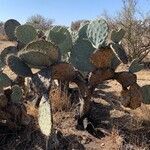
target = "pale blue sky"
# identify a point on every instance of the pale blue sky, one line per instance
(62, 11)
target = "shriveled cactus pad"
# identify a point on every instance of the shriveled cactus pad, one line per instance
(125, 78)
(4, 80)
(10, 26)
(99, 75)
(102, 57)
(146, 94)
(40, 54)
(97, 32)
(17, 94)
(80, 54)
(18, 66)
(6, 51)
(25, 33)
(63, 71)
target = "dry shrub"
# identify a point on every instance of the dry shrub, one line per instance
(60, 99)
(3, 38)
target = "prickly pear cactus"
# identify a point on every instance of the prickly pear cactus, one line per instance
(97, 32)
(146, 93)
(25, 33)
(116, 36)
(18, 66)
(7, 51)
(80, 54)
(10, 26)
(82, 31)
(119, 52)
(39, 54)
(17, 94)
(4, 80)
(61, 37)
(135, 66)
(3, 100)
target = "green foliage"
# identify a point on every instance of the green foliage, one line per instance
(25, 33)
(61, 37)
(146, 93)
(7, 51)
(18, 66)
(119, 52)
(80, 54)
(136, 66)
(97, 32)
(10, 26)
(17, 94)
(4, 80)
(40, 54)
(116, 36)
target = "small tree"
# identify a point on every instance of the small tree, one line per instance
(40, 22)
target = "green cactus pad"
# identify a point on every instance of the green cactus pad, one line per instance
(7, 51)
(25, 33)
(10, 26)
(82, 31)
(40, 54)
(97, 32)
(80, 55)
(116, 36)
(17, 94)
(74, 36)
(135, 66)
(18, 66)
(146, 93)
(119, 52)
(61, 37)
(4, 80)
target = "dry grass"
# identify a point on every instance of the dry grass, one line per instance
(3, 38)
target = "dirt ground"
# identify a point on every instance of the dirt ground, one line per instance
(123, 128)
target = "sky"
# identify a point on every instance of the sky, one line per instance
(62, 11)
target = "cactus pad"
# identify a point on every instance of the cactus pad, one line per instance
(4, 80)
(101, 58)
(61, 37)
(116, 36)
(80, 54)
(97, 32)
(3, 100)
(63, 71)
(40, 54)
(146, 93)
(119, 52)
(135, 66)
(82, 31)
(25, 33)
(17, 94)
(18, 66)
(10, 26)
(6, 51)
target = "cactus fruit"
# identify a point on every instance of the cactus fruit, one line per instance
(80, 54)
(6, 51)
(146, 94)
(18, 66)
(45, 119)
(40, 54)
(16, 94)
(136, 96)
(97, 32)
(63, 71)
(119, 52)
(126, 79)
(102, 57)
(25, 33)
(61, 37)
(116, 36)
(99, 75)
(135, 66)
(4, 80)
(10, 26)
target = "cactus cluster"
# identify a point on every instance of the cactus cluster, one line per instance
(93, 57)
